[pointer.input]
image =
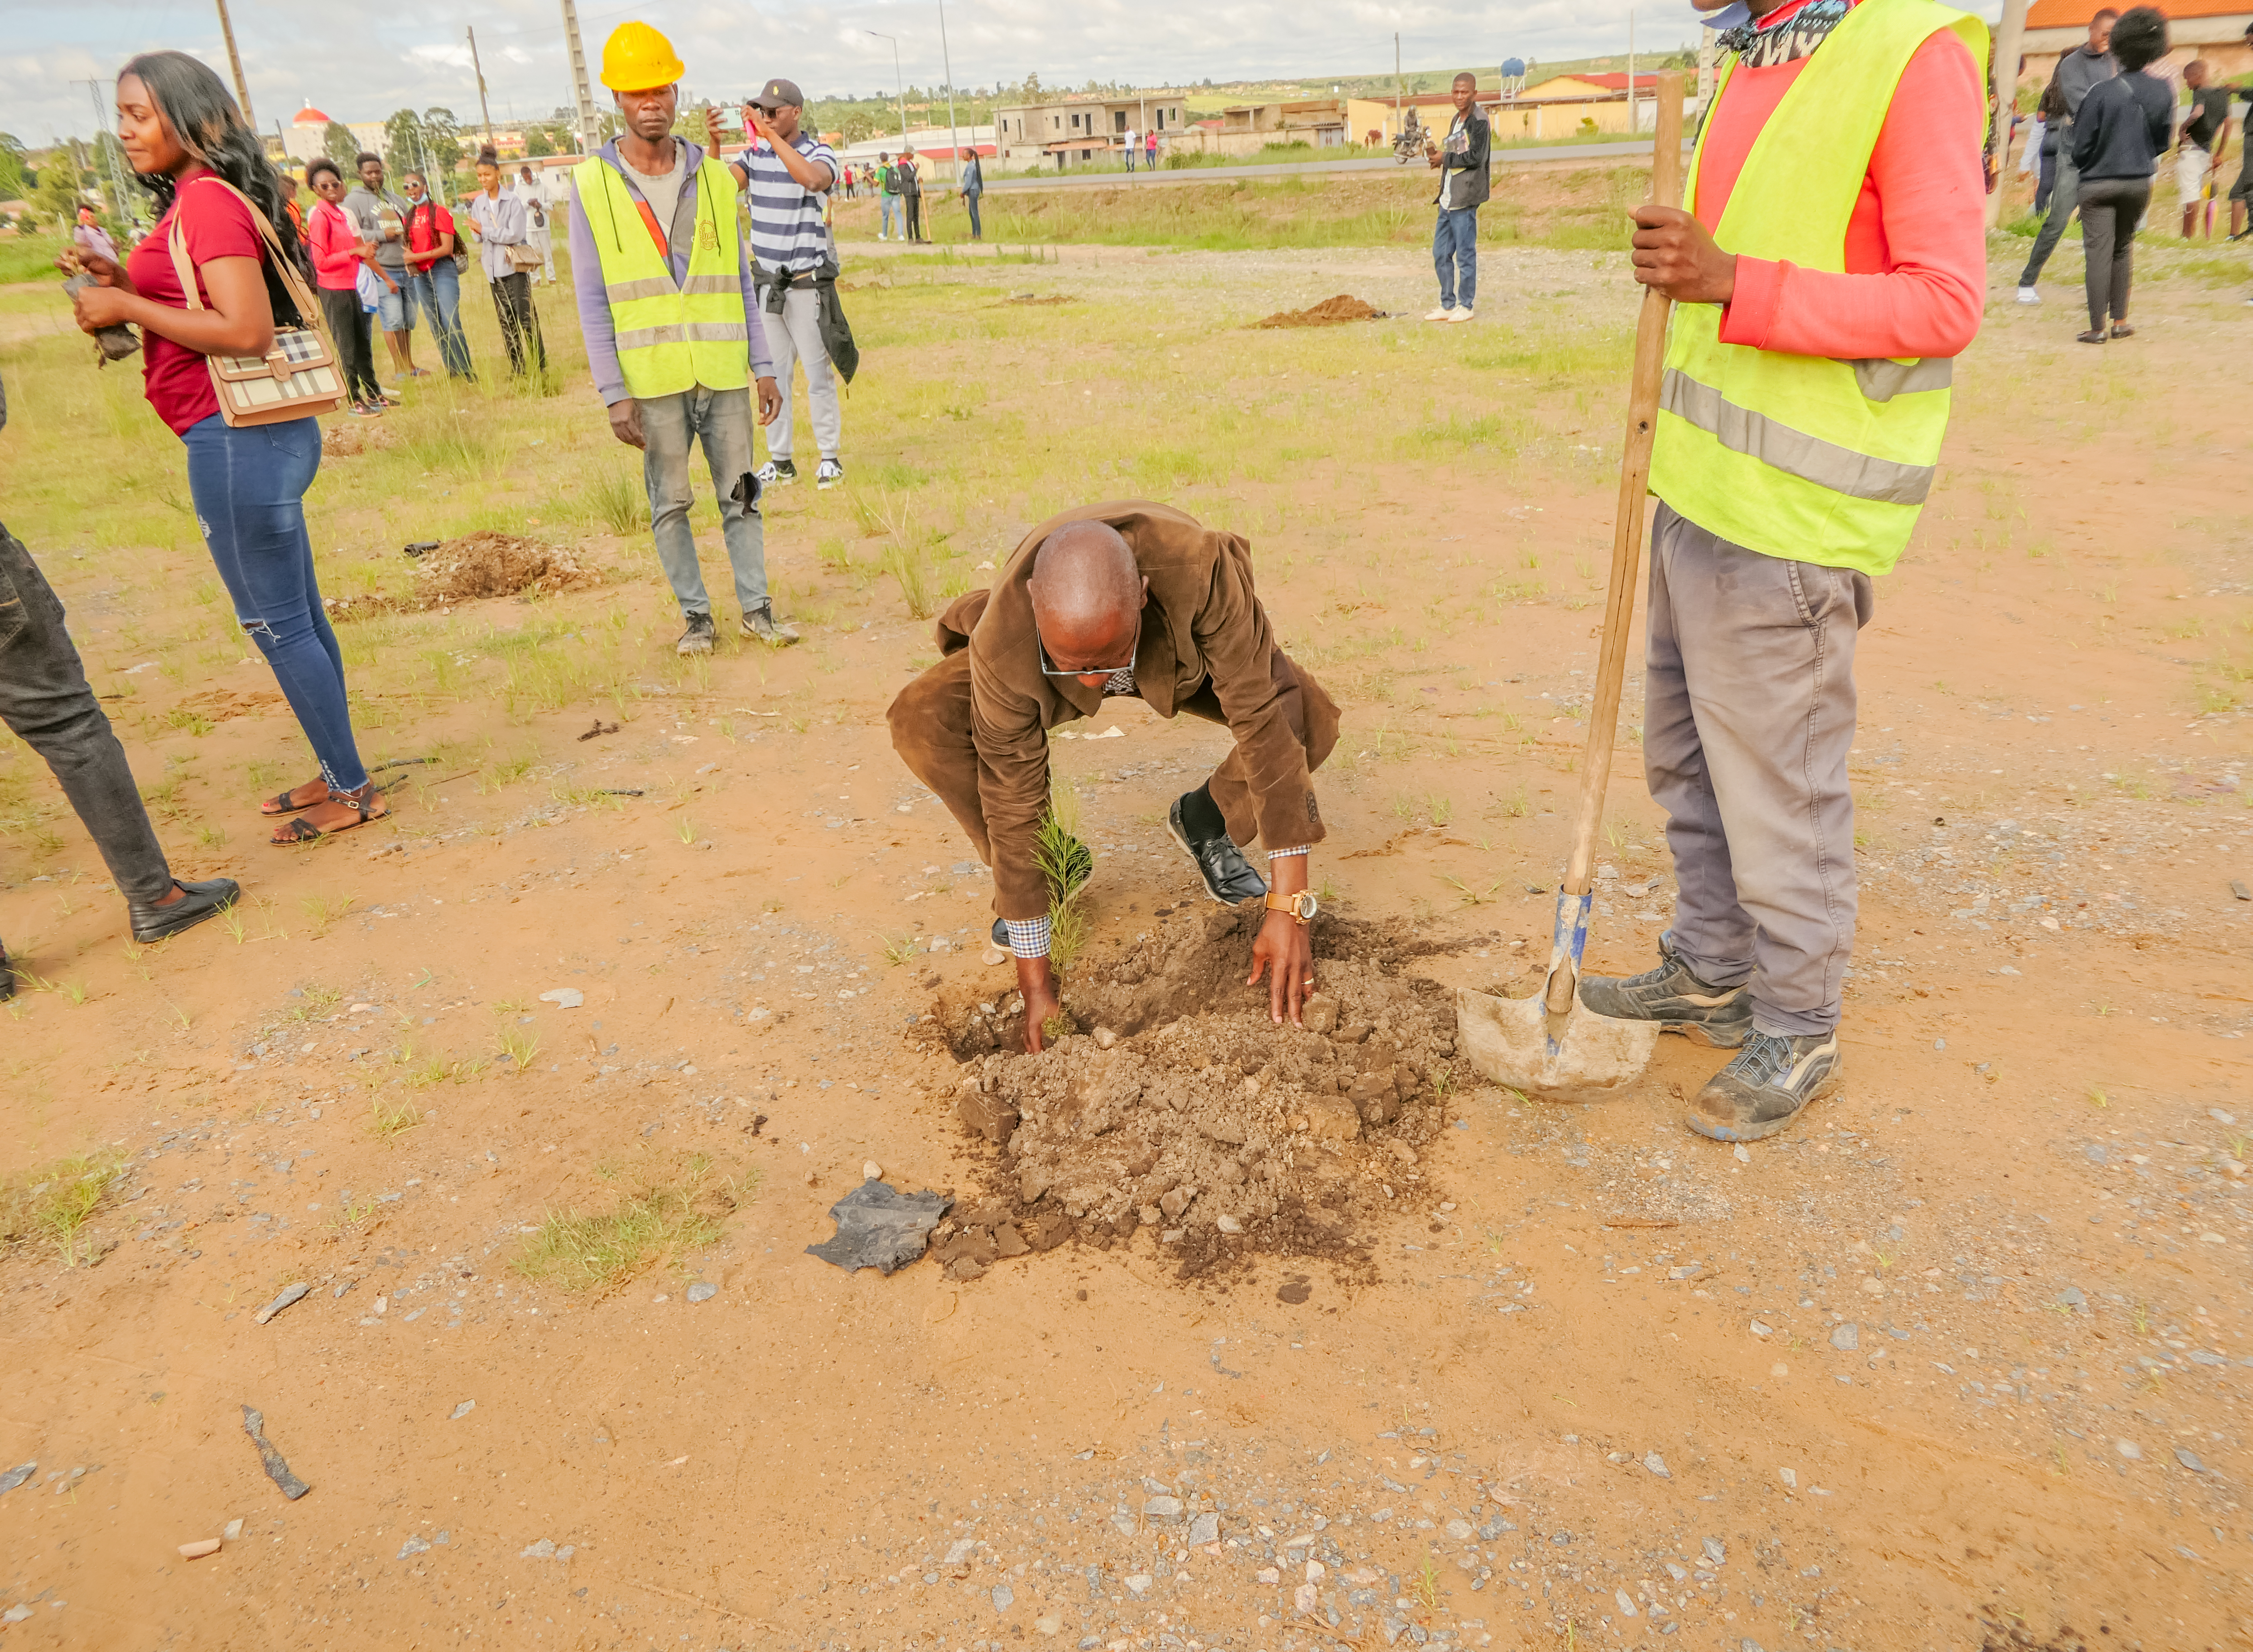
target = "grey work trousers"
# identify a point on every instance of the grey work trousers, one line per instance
(1750, 714)
(43, 697)
(2063, 198)
(794, 337)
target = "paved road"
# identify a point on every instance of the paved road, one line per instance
(1301, 169)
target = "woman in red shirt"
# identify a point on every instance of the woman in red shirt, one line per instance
(187, 142)
(338, 256)
(433, 275)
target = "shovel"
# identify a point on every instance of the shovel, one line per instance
(1548, 1046)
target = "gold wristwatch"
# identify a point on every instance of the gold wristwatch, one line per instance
(1302, 906)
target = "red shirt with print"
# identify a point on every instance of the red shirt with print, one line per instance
(214, 223)
(426, 221)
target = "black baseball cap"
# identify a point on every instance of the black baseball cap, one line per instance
(778, 92)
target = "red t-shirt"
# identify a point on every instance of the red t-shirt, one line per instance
(426, 221)
(213, 223)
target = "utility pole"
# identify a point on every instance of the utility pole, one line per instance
(113, 182)
(896, 81)
(2010, 36)
(1396, 85)
(1631, 70)
(234, 60)
(946, 63)
(590, 129)
(484, 108)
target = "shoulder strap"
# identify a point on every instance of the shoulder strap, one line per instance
(309, 312)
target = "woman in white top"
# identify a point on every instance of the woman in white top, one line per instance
(499, 217)
(536, 212)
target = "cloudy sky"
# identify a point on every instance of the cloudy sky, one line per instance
(360, 62)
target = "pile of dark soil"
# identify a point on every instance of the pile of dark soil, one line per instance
(1330, 312)
(1177, 1105)
(483, 564)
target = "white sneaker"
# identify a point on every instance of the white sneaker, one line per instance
(1441, 314)
(1461, 312)
(2029, 296)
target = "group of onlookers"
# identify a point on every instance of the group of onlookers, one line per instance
(2102, 127)
(382, 260)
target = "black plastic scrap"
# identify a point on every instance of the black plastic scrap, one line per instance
(254, 1424)
(880, 1227)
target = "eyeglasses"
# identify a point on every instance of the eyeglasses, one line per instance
(1049, 667)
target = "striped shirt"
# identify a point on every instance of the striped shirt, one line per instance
(787, 231)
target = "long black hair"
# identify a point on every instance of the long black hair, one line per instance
(205, 117)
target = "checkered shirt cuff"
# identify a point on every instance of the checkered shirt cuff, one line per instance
(1028, 936)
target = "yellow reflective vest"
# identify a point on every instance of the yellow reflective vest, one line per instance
(672, 336)
(1804, 456)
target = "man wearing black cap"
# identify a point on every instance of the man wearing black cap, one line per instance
(789, 174)
(911, 192)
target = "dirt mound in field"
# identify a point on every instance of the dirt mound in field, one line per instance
(1328, 313)
(483, 564)
(1177, 1104)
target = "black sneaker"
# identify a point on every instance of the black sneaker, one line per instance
(1676, 1000)
(199, 900)
(1229, 878)
(697, 639)
(7, 975)
(776, 473)
(761, 626)
(1765, 1086)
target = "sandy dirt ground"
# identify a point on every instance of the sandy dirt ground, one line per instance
(1960, 1361)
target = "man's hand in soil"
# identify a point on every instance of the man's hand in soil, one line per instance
(1674, 254)
(1285, 950)
(1037, 982)
(626, 421)
(770, 401)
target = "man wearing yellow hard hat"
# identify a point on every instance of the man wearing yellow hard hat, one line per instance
(671, 325)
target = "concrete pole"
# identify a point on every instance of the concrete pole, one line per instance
(946, 62)
(590, 126)
(2010, 34)
(477, 64)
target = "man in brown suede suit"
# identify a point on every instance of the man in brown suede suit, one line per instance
(1138, 599)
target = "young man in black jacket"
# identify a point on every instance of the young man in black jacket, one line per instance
(1460, 161)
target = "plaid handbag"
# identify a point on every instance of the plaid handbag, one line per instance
(298, 377)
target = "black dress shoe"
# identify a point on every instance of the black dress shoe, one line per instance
(7, 976)
(201, 901)
(1229, 877)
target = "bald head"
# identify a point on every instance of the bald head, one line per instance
(1087, 598)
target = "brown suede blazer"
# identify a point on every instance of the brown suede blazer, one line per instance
(1201, 622)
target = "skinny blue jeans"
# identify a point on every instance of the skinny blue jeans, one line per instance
(1455, 252)
(438, 290)
(891, 206)
(249, 485)
(670, 427)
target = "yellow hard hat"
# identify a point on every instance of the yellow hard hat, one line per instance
(636, 58)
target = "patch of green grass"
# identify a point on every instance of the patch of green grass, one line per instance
(388, 1123)
(601, 1252)
(52, 1204)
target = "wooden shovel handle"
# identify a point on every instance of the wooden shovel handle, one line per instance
(1626, 534)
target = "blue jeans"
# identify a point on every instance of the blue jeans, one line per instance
(670, 425)
(891, 204)
(977, 229)
(249, 485)
(438, 290)
(1454, 251)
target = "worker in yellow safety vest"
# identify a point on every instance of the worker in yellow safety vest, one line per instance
(671, 325)
(1828, 265)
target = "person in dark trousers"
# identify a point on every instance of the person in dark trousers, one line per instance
(973, 185)
(1460, 161)
(2051, 111)
(2077, 71)
(499, 217)
(338, 255)
(45, 699)
(2123, 126)
(911, 194)
(186, 140)
(2243, 187)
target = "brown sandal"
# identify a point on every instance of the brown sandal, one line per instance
(279, 804)
(366, 801)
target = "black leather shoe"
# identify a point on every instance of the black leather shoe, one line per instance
(1228, 876)
(203, 900)
(7, 975)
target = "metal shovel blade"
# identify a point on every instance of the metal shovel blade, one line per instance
(1577, 1056)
